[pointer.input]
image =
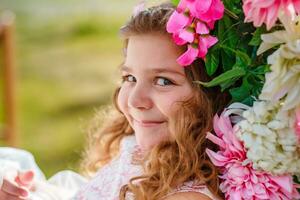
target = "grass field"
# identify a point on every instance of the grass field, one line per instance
(67, 58)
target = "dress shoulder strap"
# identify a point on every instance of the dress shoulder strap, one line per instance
(192, 186)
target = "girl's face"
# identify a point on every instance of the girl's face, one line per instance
(152, 84)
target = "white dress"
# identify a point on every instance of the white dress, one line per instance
(108, 181)
(62, 186)
(67, 185)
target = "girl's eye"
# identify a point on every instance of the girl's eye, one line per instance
(129, 78)
(163, 81)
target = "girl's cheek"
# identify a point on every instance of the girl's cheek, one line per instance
(123, 98)
(168, 104)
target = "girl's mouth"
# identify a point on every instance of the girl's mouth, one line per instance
(148, 123)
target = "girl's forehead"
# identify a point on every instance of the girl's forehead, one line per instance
(154, 70)
(153, 52)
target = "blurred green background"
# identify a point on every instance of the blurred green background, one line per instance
(68, 52)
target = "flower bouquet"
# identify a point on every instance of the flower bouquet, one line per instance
(251, 48)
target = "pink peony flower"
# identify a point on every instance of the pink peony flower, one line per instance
(240, 180)
(267, 11)
(191, 23)
(243, 182)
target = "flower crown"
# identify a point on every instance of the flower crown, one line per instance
(259, 133)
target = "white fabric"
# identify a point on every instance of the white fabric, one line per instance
(68, 185)
(9, 167)
(61, 186)
(12, 157)
(108, 181)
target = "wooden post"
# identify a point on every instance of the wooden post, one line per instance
(9, 77)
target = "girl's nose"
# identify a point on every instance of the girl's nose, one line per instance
(140, 98)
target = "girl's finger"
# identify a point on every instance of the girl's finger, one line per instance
(25, 178)
(5, 196)
(12, 189)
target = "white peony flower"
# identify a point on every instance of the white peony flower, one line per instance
(284, 78)
(267, 132)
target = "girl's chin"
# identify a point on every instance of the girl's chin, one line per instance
(146, 139)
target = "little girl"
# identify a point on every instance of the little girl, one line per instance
(153, 144)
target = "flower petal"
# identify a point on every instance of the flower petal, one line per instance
(206, 42)
(176, 22)
(210, 41)
(202, 48)
(201, 28)
(183, 5)
(215, 139)
(216, 158)
(284, 182)
(211, 24)
(202, 6)
(215, 12)
(297, 6)
(188, 57)
(178, 40)
(187, 35)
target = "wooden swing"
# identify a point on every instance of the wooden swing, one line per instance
(8, 131)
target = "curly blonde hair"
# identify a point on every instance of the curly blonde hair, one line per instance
(173, 162)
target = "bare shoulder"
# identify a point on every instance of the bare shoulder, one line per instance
(187, 196)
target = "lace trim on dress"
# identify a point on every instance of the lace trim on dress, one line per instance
(192, 186)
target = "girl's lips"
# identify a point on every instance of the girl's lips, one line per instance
(148, 123)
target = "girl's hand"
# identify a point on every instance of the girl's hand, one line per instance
(18, 189)
(10, 191)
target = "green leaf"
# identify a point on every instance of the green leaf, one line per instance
(248, 101)
(228, 83)
(228, 60)
(212, 62)
(261, 70)
(233, 6)
(232, 74)
(239, 63)
(242, 55)
(256, 84)
(243, 92)
(230, 35)
(256, 39)
(236, 1)
(175, 2)
(221, 27)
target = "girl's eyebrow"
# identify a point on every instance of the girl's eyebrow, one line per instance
(125, 68)
(154, 70)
